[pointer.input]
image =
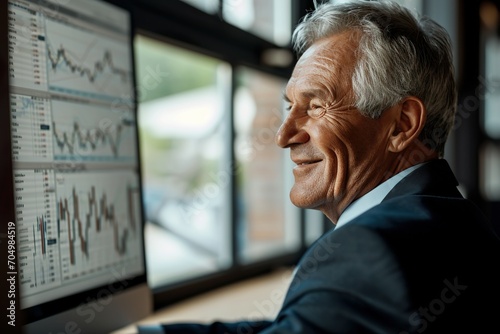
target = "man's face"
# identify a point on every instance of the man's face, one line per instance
(339, 154)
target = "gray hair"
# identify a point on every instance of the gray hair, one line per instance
(399, 54)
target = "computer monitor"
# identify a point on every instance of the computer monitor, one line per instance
(74, 169)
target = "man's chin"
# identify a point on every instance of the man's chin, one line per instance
(301, 200)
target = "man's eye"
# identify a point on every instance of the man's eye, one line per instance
(316, 111)
(288, 108)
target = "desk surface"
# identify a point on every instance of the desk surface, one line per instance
(255, 298)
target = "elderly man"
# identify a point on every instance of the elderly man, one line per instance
(371, 102)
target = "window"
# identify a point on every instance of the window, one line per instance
(491, 86)
(269, 19)
(314, 225)
(183, 118)
(209, 6)
(488, 92)
(266, 223)
(490, 183)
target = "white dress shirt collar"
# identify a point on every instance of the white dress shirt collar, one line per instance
(373, 197)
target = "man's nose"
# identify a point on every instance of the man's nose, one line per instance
(291, 132)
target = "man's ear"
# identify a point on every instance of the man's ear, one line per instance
(410, 120)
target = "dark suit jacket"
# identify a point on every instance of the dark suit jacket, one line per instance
(423, 261)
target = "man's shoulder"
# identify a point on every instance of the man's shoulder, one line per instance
(423, 211)
(416, 228)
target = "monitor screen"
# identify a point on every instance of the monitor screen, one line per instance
(75, 162)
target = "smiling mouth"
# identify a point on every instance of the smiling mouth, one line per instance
(305, 163)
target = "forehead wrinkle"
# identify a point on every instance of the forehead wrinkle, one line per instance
(334, 72)
(334, 84)
(335, 55)
(335, 67)
(304, 89)
(315, 93)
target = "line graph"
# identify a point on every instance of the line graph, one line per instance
(91, 73)
(84, 138)
(92, 133)
(84, 63)
(97, 222)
